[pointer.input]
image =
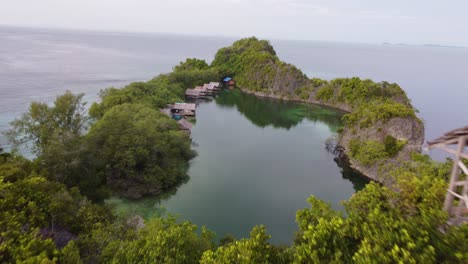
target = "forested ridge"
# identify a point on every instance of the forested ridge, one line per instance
(52, 210)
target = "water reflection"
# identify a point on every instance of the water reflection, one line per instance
(277, 113)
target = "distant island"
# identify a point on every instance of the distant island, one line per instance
(423, 45)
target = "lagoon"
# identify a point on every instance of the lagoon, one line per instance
(258, 162)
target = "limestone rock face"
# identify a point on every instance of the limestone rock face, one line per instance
(409, 129)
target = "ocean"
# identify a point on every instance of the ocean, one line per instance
(39, 64)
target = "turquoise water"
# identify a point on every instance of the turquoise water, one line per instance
(258, 161)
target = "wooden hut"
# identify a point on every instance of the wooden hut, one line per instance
(202, 90)
(183, 109)
(212, 87)
(185, 126)
(229, 82)
(192, 93)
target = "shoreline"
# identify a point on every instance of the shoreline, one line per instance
(363, 171)
(296, 100)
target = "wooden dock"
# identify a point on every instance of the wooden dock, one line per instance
(201, 92)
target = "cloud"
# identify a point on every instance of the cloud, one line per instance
(372, 14)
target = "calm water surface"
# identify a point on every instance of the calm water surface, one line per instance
(258, 162)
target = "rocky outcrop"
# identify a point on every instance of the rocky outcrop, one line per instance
(382, 108)
(407, 129)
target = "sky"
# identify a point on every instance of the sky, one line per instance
(365, 21)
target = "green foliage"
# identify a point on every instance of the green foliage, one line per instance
(163, 241)
(43, 125)
(305, 91)
(228, 238)
(54, 131)
(354, 91)
(368, 114)
(253, 250)
(4, 156)
(98, 245)
(191, 64)
(317, 82)
(368, 152)
(393, 146)
(158, 92)
(139, 150)
(14, 168)
(256, 67)
(33, 204)
(384, 226)
(323, 237)
(325, 93)
(155, 93)
(70, 254)
(192, 78)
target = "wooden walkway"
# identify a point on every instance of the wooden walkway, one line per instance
(456, 199)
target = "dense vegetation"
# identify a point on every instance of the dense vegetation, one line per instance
(256, 67)
(371, 151)
(156, 93)
(125, 145)
(42, 221)
(50, 210)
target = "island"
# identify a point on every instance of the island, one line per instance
(381, 127)
(52, 208)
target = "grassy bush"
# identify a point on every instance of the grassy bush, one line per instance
(393, 146)
(367, 114)
(368, 152)
(325, 93)
(371, 151)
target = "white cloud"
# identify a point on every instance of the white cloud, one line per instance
(372, 14)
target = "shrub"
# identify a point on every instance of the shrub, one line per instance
(325, 93)
(393, 146)
(368, 152)
(370, 113)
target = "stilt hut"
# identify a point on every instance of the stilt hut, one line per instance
(229, 82)
(195, 94)
(183, 109)
(185, 126)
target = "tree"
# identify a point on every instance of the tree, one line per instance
(33, 211)
(191, 64)
(163, 241)
(384, 225)
(55, 131)
(256, 249)
(43, 125)
(4, 156)
(139, 150)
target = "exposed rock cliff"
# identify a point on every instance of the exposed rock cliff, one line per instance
(406, 129)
